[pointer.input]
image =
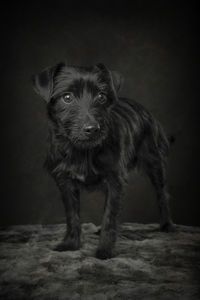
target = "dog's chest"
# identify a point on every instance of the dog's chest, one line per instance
(82, 168)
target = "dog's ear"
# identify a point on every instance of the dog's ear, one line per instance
(116, 78)
(43, 82)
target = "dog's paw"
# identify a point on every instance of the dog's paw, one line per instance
(67, 246)
(103, 253)
(168, 227)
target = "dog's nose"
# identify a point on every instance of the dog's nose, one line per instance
(91, 129)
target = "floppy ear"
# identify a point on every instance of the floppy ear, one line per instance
(43, 82)
(116, 78)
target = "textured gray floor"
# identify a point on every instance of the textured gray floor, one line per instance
(148, 264)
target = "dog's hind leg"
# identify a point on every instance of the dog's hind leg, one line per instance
(108, 233)
(154, 167)
(71, 200)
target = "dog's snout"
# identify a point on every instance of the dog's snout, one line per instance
(91, 129)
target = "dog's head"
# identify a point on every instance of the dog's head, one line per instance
(79, 100)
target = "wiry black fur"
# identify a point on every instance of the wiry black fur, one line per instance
(129, 137)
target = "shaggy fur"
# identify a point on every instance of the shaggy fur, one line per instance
(95, 139)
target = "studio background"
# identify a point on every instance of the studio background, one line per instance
(155, 48)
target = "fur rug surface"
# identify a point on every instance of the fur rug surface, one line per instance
(148, 264)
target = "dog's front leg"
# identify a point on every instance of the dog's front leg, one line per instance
(71, 200)
(114, 193)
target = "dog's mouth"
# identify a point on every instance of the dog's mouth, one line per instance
(87, 141)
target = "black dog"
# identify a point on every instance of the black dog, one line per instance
(95, 138)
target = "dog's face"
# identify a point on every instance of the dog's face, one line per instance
(79, 101)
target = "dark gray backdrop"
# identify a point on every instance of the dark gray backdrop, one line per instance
(153, 46)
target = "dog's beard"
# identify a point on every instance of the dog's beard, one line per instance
(72, 131)
(87, 142)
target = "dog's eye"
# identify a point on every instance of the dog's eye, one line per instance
(102, 98)
(67, 98)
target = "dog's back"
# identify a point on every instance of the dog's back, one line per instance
(141, 135)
